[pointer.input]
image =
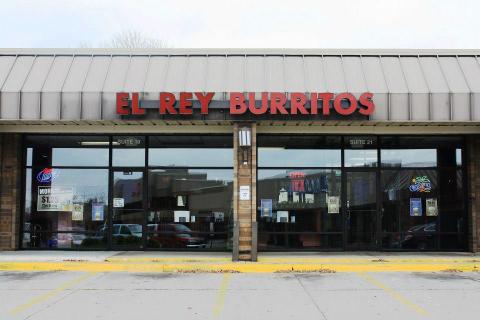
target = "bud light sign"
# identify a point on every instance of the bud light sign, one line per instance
(47, 175)
(421, 184)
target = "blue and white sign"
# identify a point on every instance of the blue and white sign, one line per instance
(47, 175)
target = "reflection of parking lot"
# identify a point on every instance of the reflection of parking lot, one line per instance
(52, 295)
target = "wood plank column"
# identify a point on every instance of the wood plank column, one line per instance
(245, 213)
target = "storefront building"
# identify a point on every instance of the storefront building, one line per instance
(240, 150)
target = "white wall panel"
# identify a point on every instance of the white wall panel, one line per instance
(461, 106)
(275, 74)
(415, 81)
(440, 108)
(96, 74)
(196, 78)
(176, 74)
(399, 106)
(334, 74)
(420, 106)
(381, 106)
(10, 98)
(255, 74)
(6, 64)
(471, 69)
(236, 74)
(136, 74)
(216, 76)
(315, 75)
(354, 74)
(156, 77)
(294, 77)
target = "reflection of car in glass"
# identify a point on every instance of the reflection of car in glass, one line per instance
(420, 237)
(172, 235)
(125, 230)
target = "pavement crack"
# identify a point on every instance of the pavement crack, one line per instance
(311, 297)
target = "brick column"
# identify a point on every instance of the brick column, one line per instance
(10, 193)
(245, 211)
(473, 179)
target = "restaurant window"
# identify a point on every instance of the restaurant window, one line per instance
(299, 192)
(190, 192)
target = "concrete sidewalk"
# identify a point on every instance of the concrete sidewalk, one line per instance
(142, 261)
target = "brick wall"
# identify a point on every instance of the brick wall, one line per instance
(10, 158)
(473, 174)
(245, 212)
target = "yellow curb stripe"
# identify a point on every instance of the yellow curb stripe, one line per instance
(246, 267)
(222, 292)
(37, 300)
(394, 294)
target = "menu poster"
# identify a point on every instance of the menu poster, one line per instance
(77, 212)
(416, 209)
(97, 211)
(333, 204)
(431, 207)
(266, 206)
(56, 198)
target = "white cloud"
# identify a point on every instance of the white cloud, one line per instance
(247, 23)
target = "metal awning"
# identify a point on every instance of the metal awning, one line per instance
(80, 84)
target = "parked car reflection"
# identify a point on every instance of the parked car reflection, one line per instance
(421, 237)
(172, 235)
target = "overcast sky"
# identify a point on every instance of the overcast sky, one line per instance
(245, 23)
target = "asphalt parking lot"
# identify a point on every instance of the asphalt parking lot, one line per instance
(130, 295)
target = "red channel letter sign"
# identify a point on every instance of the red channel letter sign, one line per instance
(241, 103)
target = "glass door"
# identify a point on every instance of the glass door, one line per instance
(361, 210)
(127, 209)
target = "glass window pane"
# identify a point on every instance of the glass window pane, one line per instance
(191, 151)
(312, 241)
(195, 157)
(67, 150)
(190, 208)
(72, 200)
(409, 158)
(134, 157)
(299, 200)
(299, 151)
(411, 206)
(279, 157)
(458, 157)
(361, 158)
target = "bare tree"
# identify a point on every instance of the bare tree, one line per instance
(131, 39)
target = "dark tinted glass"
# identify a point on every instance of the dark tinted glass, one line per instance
(190, 151)
(128, 151)
(67, 151)
(299, 151)
(409, 158)
(190, 208)
(299, 200)
(72, 201)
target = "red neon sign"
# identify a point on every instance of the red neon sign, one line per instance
(240, 103)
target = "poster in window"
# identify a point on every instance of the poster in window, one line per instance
(181, 216)
(309, 198)
(282, 216)
(296, 197)
(333, 204)
(54, 198)
(283, 196)
(432, 207)
(416, 209)
(266, 206)
(97, 211)
(77, 212)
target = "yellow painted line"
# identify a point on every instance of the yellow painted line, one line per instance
(67, 285)
(222, 292)
(247, 267)
(394, 294)
(172, 259)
